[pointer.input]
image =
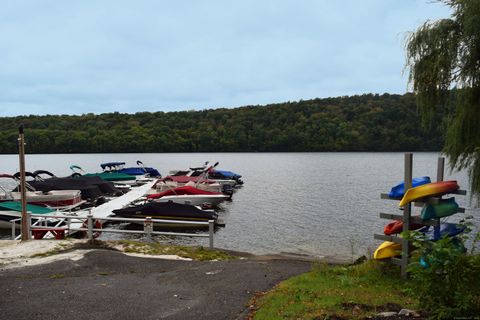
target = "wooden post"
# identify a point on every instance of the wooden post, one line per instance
(440, 168)
(406, 214)
(23, 191)
(440, 173)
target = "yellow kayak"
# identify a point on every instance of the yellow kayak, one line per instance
(387, 250)
(428, 190)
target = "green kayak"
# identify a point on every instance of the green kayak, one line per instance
(445, 208)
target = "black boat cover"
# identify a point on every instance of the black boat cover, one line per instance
(88, 190)
(165, 209)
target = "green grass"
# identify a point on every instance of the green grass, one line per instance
(330, 292)
(47, 253)
(195, 253)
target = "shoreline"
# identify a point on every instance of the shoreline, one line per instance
(18, 254)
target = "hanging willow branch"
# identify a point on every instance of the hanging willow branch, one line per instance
(443, 59)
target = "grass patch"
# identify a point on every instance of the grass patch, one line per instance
(103, 273)
(47, 253)
(57, 276)
(327, 292)
(195, 253)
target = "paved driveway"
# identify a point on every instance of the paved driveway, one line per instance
(106, 284)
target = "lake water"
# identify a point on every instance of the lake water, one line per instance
(319, 204)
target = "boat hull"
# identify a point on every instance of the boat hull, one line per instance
(169, 211)
(194, 200)
(428, 190)
(387, 250)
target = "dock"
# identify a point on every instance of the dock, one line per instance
(105, 210)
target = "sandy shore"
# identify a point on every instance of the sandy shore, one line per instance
(17, 254)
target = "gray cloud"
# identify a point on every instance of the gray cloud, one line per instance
(103, 56)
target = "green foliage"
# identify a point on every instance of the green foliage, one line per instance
(447, 282)
(358, 123)
(442, 55)
(336, 292)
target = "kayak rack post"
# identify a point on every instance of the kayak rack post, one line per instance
(407, 210)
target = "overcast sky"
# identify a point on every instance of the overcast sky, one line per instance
(74, 57)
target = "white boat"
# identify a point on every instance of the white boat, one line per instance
(163, 185)
(203, 173)
(189, 195)
(56, 199)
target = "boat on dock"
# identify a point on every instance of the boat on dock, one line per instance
(141, 170)
(112, 176)
(11, 210)
(189, 195)
(169, 211)
(55, 199)
(92, 189)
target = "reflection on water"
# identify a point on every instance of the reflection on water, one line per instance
(321, 204)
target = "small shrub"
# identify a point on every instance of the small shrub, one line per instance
(444, 278)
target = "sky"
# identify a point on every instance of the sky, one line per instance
(91, 56)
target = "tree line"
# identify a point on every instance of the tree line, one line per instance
(369, 122)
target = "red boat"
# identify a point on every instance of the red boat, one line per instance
(189, 195)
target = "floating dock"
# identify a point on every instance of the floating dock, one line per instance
(105, 210)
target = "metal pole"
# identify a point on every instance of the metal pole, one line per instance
(210, 232)
(148, 227)
(90, 226)
(13, 230)
(406, 214)
(23, 191)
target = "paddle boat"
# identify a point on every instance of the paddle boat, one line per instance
(428, 190)
(189, 195)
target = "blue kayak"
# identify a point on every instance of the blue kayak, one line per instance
(446, 230)
(398, 191)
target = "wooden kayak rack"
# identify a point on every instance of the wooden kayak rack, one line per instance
(407, 218)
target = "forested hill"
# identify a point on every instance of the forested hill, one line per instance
(357, 123)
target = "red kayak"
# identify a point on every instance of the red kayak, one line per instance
(397, 227)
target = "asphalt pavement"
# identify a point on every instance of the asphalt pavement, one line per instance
(106, 284)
